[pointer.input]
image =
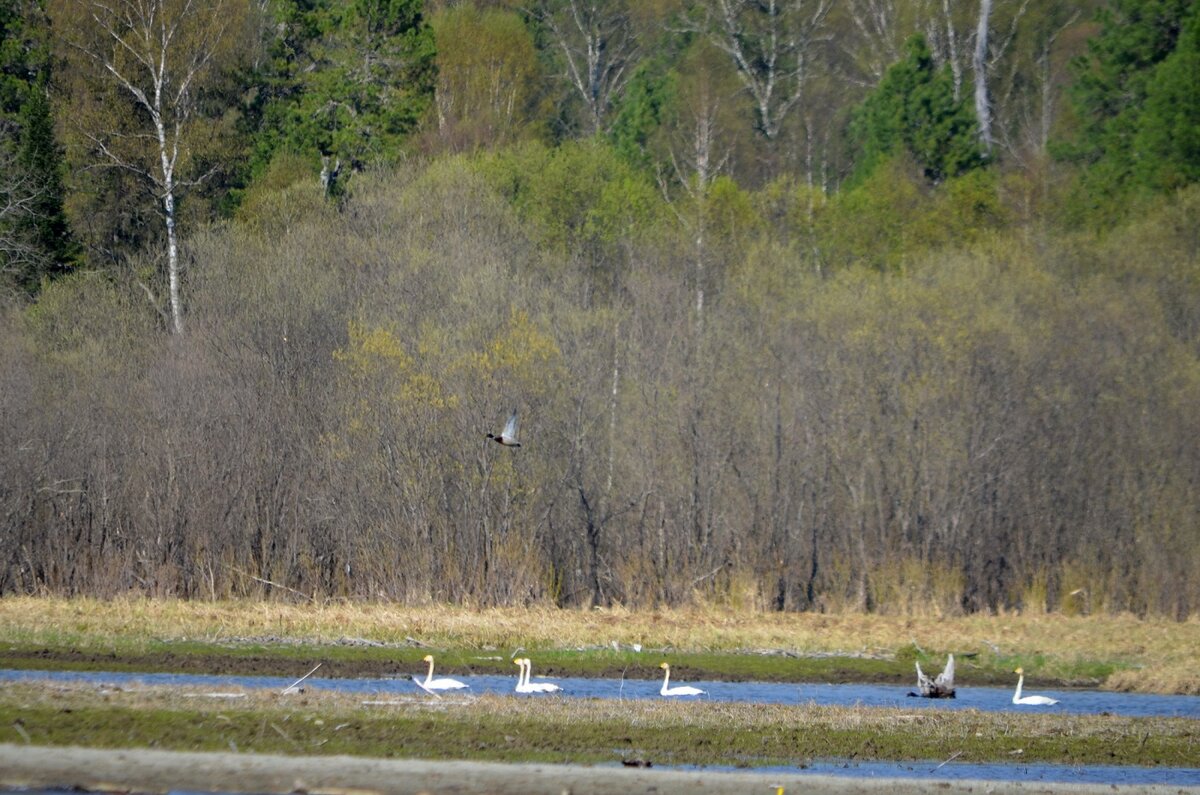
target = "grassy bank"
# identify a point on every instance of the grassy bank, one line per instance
(1120, 652)
(579, 730)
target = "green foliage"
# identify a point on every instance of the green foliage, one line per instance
(23, 54)
(1136, 106)
(40, 242)
(965, 209)
(576, 194)
(89, 326)
(968, 407)
(490, 85)
(873, 222)
(520, 354)
(388, 381)
(41, 158)
(639, 112)
(347, 82)
(893, 215)
(286, 192)
(913, 109)
(1167, 141)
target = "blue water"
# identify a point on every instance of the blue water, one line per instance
(925, 771)
(990, 699)
(1011, 771)
(981, 698)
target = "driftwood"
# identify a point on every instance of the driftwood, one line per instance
(941, 687)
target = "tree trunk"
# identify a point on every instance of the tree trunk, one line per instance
(612, 407)
(983, 110)
(952, 50)
(168, 200)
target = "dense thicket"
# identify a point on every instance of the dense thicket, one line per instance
(784, 325)
(999, 426)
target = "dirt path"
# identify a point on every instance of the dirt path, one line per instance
(159, 771)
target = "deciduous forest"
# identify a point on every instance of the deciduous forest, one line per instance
(803, 305)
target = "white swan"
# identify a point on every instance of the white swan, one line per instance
(1019, 699)
(438, 684)
(942, 687)
(508, 436)
(538, 687)
(522, 685)
(681, 690)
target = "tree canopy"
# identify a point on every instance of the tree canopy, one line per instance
(779, 333)
(914, 110)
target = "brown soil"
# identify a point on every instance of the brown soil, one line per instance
(147, 771)
(243, 665)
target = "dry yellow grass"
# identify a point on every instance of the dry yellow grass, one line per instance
(1167, 648)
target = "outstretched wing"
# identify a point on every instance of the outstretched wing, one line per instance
(510, 427)
(923, 681)
(946, 677)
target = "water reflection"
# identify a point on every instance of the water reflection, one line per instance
(990, 699)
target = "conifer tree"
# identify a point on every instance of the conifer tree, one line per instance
(346, 83)
(41, 158)
(36, 238)
(1112, 92)
(1167, 141)
(913, 109)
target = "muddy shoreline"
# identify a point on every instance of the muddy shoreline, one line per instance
(150, 771)
(249, 664)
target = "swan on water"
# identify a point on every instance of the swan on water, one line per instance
(941, 687)
(535, 687)
(522, 687)
(1019, 699)
(438, 684)
(680, 690)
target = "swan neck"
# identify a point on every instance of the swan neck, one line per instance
(429, 676)
(666, 679)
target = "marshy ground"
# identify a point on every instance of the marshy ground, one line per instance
(352, 640)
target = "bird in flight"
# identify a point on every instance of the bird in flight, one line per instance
(508, 436)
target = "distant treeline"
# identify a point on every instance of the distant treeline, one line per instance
(806, 304)
(1011, 424)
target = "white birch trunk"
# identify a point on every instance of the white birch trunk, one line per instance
(173, 263)
(167, 161)
(952, 50)
(612, 407)
(163, 51)
(983, 110)
(776, 77)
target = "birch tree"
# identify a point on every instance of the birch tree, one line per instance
(956, 41)
(157, 55)
(599, 51)
(697, 151)
(772, 45)
(983, 110)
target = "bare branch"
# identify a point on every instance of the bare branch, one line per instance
(771, 47)
(598, 48)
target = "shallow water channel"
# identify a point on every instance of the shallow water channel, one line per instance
(981, 698)
(991, 699)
